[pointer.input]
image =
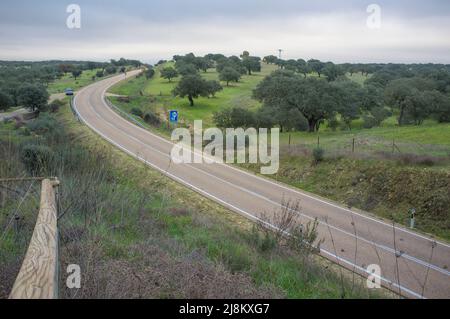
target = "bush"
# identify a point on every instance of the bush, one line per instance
(151, 118)
(296, 121)
(318, 154)
(149, 73)
(264, 118)
(333, 124)
(369, 121)
(137, 111)
(110, 70)
(123, 99)
(264, 241)
(380, 114)
(213, 87)
(36, 158)
(45, 125)
(234, 117)
(376, 117)
(303, 236)
(55, 106)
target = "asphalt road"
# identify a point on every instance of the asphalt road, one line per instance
(412, 264)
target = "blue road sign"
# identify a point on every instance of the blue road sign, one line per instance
(173, 116)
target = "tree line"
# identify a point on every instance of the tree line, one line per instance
(25, 83)
(294, 100)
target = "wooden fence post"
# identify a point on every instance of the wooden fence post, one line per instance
(38, 276)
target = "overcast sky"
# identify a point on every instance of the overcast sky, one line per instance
(410, 31)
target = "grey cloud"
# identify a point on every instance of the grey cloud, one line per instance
(149, 30)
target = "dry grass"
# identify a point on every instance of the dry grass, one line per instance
(154, 273)
(137, 234)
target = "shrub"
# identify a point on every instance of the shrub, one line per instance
(55, 106)
(36, 158)
(123, 99)
(333, 124)
(213, 87)
(137, 111)
(149, 73)
(234, 117)
(45, 125)
(110, 70)
(264, 241)
(151, 118)
(380, 114)
(303, 237)
(318, 154)
(369, 121)
(297, 121)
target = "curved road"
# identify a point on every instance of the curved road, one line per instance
(412, 264)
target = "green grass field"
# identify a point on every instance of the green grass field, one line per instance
(68, 81)
(157, 95)
(428, 139)
(124, 223)
(407, 152)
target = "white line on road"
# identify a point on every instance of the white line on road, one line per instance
(298, 191)
(386, 248)
(251, 216)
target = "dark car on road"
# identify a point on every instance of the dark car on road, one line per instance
(68, 91)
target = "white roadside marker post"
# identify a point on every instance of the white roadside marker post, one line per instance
(412, 222)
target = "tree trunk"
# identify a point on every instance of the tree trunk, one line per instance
(400, 117)
(191, 100)
(312, 123)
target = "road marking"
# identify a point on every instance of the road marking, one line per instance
(216, 198)
(296, 190)
(387, 281)
(386, 248)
